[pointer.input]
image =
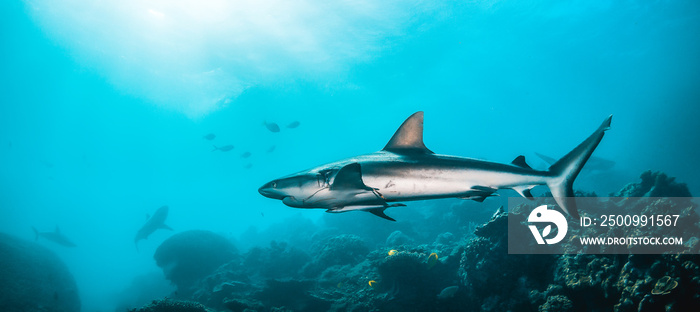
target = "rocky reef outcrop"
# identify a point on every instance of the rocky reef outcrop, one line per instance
(190, 256)
(34, 279)
(654, 184)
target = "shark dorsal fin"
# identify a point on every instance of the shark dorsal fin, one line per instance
(520, 162)
(349, 177)
(409, 137)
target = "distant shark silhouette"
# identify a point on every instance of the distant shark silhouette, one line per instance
(407, 170)
(157, 221)
(56, 236)
(593, 164)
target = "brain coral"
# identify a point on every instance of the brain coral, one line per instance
(189, 256)
(33, 278)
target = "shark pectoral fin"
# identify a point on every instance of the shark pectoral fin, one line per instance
(520, 162)
(524, 190)
(165, 227)
(349, 178)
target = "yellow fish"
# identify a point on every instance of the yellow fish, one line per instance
(373, 283)
(432, 260)
(393, 252)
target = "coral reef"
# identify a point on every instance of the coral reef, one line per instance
(189, 256)
(456, 267)
(654, 184)
(279, 260)
(397, 238)
(487, 254)
(410, 279)
(291, 294)
(142, 289)
(336, 251)
(34, 279)
(168, 305)
(557, 303)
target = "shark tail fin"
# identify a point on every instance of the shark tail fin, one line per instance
(215, 148)
(564, 171)
(36, 233)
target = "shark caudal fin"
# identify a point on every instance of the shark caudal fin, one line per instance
(565, 170)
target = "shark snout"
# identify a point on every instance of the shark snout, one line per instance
(269, 190)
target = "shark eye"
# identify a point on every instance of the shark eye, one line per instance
(274, 184)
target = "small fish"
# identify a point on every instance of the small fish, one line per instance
(209, 136)
(272, 126)
(393, 252)
(271, 149)
(246, 154)
(373, 283)
(55, 236)
(248, 166)
(432, 260)
(225, 148)
(448, 292)
(293, 124)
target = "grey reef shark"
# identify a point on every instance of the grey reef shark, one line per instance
(406, 170)
(55, 236)
(157, 221)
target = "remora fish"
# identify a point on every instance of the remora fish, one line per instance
(406, 170)
(55, 236)
(157, 221)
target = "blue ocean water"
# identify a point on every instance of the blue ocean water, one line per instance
(105, 105)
